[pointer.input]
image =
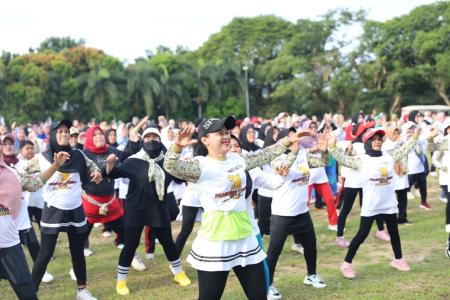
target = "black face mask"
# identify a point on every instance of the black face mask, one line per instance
(152, 148)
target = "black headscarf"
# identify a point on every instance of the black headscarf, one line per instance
(262, 131)
(412, 116)
(269, 141)
(245, 144)
(369, 149)
(76, 162)
(107, 132)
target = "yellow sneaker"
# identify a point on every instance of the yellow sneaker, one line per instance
(182, 279)
(122, 288)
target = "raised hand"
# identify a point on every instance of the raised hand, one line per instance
(433, 131)
(298, 135)
(60, 158)
(331, 140)
(322, 142)
(184, 137)
(110, 162)
(282, 170)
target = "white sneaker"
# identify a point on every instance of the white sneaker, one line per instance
(106, 234)
(84, 294)
(332, 227)
(72, 275)
(315, 281)
(297, 248)
(443, 200)
(447, 250)
(138, 264)
(410, 196)
(97, 225)
(88, 252)
(47, 277)
(273, 293)
(120, 246)
(149, 256)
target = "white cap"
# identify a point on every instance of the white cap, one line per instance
(408, 125)
(151, 130)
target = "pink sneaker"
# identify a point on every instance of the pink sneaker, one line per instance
(347, 270)
(383, 235)
(400, 264)
(425, 206)
(342, 242)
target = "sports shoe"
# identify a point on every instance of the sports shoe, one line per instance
(447, 228)
(182, 279)
(447, 250)
(273, 293)
(347, 270)
(332, 227)
(400, 264)
(122, 288)
(149, 256)
(47, 277)
(137, 263)
(425, 206)
(410, 196)
(97, 225)
(342, 242)
(88, 252)
(383, 235)
(84, 294)
(443, 199)
(106, 234)
(72, 275)
(433, 174)
(120, 246)
(298, 248)
(315, 281)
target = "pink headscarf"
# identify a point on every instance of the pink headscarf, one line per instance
(10, 189)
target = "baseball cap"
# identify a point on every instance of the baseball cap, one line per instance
(215, 124)
(371, 132)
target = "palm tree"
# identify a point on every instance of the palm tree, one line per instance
(208, 84)
(143, 85)
(100, 88)
(172, 88)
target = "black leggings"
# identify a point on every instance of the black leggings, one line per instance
(420, 181)
(402, 199)
(35, 214)
(189, 213)
(348, 198)
(302, 228)
(364, 230)
(447, 208)
(48, 245)
(133, 237)
(13, 266)
(28, 238)
(264, 213)
(116, 226)
(252, 278)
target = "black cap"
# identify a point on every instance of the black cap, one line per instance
(215, 124)
(65, 122)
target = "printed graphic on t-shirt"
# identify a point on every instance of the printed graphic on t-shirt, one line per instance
(304, 179)
(236, 189)
(385, 179)
(4, 211)
(63, 181)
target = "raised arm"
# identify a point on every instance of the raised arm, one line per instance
(436, 160)
(353, 162)
(436, 146)
(400, 152)
(187, 170)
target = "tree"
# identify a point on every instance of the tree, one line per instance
(143, 86)
(58, 44)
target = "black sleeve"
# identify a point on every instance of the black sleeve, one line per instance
(131, 148)
(124, 170)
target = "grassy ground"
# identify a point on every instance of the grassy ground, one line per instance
(423, 246)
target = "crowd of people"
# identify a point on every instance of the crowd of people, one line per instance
(242, 179)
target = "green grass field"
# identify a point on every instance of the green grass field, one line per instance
(423, 246)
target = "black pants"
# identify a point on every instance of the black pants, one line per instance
(48, 245)
(117, 226)
(402, 199)
(447, 209)
(28, 238)
(35, 214)
(302, 228)
(212, 284)
(14, 268)
(133, 236)
(420, 181)
(264, 213)
(189, 213)
(348, 198)
(364, 230)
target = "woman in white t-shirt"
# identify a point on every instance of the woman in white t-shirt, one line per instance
(225, 241)
(377, 171)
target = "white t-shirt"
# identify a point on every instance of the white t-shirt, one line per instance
(352, 177)
(9, 234)
(378, 186)
(318, 175)
(415, 164)
(261, 190)
(62, 190)
(291, 199)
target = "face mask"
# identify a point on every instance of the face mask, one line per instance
(152, 148)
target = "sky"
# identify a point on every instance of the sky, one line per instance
(125, 29)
